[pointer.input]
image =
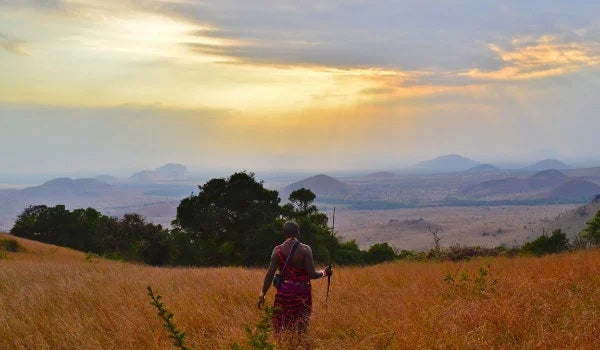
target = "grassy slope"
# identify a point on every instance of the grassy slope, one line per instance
(52, 298)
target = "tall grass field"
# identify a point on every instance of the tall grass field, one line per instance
(56, 298)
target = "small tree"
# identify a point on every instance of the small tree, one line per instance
(591, 234)
(436, 237)
(380, 252)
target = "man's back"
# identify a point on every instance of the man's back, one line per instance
(302, 259)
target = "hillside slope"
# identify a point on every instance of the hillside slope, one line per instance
(544, 185)
(549, 302)
(573, 221)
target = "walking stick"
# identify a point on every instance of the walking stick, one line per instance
(329, 276)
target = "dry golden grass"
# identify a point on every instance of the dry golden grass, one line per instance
(52, 298)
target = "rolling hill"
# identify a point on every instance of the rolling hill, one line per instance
(545, 185)
(167, 172)
(446, 164)
(573, 221)
(56, 298)
(547, 164)
(321, 185)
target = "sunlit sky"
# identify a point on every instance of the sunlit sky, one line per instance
(95, 85)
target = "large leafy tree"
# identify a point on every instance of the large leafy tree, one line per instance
(230, 220)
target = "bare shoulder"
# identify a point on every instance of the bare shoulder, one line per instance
(305, 248)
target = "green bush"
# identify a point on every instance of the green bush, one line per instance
(10, 245)
(556, 243)
(380, 252)
(591, 234)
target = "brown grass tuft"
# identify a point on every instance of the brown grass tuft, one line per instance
(53, 298)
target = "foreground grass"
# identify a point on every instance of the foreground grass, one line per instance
(53, 298)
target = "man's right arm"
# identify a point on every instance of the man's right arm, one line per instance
(309, 265)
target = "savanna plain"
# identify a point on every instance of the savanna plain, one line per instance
(57, 298)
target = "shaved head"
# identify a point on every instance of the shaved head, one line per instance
(291, 229)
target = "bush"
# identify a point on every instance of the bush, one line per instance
(380, 252)
(557, 242)
(591, 234)
(10, 245)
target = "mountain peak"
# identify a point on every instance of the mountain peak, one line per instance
(319, 184)
(447, 163)
(167, 172)
(548, 164)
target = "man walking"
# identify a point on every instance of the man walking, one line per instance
(293, 300)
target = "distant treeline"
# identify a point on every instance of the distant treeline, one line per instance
(233, 221)
(358, 204)
(236, 221)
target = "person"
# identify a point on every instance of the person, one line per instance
(293, 299)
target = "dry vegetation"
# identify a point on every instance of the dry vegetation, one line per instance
(475, 226)
(55, 298)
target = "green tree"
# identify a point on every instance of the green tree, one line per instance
(591, 234)
(348, 253)
(313, 224)
(557, 242)
(228, 217)
(380, 252)
(303, 199)
(88, 230)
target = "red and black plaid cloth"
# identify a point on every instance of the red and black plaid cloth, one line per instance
(293, 300)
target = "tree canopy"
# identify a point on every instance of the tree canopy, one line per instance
(231, 221)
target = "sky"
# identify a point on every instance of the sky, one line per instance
(274, 84)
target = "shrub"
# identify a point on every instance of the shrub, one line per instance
(591, 234)
(464, 285)
(10, 245)
(556, 243)
(380, 252)
(166, 316)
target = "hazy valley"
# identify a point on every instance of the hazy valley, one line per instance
(467, 202)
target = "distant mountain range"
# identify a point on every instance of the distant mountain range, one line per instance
(115, 199)
(167, 172)
(456, 163)
(547, 185)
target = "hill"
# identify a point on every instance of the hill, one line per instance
(545, 185)
(574, 190)
(321, 185)
(42, 252)
(167, 172)
(482, 168)
(571, 222)
(447, 163)
(115, 199)
(53, 299)
(547, 164)
(68, 187)
(56, 191)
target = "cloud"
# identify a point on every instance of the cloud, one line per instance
(12, 45)
(546, 57)
(403, 35)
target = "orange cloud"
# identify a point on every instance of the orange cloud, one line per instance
(545, 58)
